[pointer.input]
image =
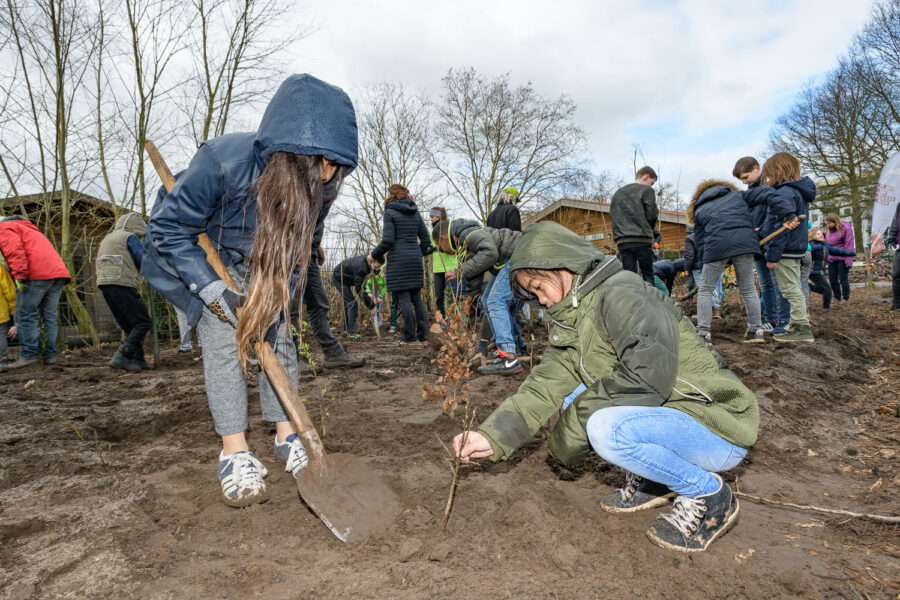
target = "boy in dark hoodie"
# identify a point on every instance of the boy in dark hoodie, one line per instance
(633, 213)
(485, 250)
(259, 197)
(784, 253)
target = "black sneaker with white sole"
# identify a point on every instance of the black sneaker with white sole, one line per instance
(638, 494)
(504, 364)
(695, 523)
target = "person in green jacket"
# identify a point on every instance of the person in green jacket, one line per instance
(483, 250)
(649, 395)
(441, 262)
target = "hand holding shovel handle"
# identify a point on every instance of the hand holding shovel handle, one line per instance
(780, 230)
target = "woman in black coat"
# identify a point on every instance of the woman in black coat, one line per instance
(405, 240)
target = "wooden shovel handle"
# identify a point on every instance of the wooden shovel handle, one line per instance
(371, 277)
(268, 361)
(780, 230)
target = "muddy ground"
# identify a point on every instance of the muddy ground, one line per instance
(108, 486)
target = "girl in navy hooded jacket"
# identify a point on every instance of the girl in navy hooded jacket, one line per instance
(784, 253)
(259, 196)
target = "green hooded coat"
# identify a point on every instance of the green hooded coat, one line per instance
(628, 343)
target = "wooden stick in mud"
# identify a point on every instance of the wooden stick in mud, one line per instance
(830, 511)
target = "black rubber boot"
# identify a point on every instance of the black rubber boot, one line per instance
(695, 523)
(120, 360)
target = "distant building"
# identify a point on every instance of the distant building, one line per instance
(591, 221)
(90, 219)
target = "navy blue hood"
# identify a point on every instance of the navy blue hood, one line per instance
(805, 186)
(311, 117)
(713, 193)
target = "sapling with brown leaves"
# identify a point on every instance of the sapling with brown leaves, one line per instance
(452, 388)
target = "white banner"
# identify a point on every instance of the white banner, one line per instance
(887, 194)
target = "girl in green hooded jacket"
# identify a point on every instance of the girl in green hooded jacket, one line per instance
(649, 395)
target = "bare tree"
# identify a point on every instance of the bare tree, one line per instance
(875, 59)
(668, 197)
(155, 32)
(395, 146)
(832, 131)
(492, 135)
(51, 46)
(234, 51)
(583, 185)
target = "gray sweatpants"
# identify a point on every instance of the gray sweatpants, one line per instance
(226, 386)
(743, 272)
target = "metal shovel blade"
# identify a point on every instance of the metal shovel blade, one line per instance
(350, 498)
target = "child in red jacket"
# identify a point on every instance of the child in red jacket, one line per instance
(40, 275)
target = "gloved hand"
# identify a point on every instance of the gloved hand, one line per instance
(320, 255)
(222, 301)
(22, 285)
(893, 246)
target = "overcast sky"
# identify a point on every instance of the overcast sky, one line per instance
(698, 83)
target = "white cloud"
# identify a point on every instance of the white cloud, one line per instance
(694, 68)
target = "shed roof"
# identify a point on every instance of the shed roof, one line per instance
(12, 201)
(666, 216)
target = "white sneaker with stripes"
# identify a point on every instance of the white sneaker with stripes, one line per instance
(241, 476)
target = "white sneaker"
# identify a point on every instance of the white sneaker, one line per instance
(241, 476)
(292, 453)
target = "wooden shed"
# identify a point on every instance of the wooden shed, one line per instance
(591, 221)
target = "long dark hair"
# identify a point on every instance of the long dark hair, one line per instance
(289, 198)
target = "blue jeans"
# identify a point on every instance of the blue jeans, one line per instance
(775, 308)
(40, 297)
(351, 306)
(496, 300)
(663, 445)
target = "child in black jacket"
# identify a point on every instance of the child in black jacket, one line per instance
(820, 251)
(348, 277)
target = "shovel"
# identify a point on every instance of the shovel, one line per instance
(351, 499)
